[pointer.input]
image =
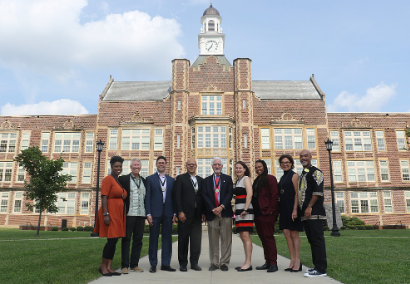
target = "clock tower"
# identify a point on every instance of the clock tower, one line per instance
(211, 40)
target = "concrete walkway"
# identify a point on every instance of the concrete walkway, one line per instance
(218, 276)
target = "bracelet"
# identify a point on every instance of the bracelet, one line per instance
(106, 213)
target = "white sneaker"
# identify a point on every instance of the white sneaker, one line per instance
(310, 269)
(314, 273)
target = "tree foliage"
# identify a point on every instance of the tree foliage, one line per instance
(45, 180)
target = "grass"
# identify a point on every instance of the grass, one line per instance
(368, 256)
(53, 257)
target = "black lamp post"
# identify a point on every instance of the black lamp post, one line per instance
(335, 229)
(100, 145)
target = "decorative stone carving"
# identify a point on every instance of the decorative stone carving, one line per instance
(356, 123)
(6, 125)
(286, 118)
(68, 124)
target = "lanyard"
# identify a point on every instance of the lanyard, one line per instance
(135, 181)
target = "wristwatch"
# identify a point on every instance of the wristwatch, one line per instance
(106, 214)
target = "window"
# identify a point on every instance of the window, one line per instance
(244, 104)
(230, 137)
(401, 139)
(4, 202)
(298, 167)
(269, 166)
(25, 141)
(8, 142)
(144, 172)
(70, 168)
(113, 139)
(66, 202)
(45, 140)
(358, 141)
(158, 139)
(85, 203)
(388, 205)
(288, 138)
(18, 201)
(177, 170)
(364, 202)
(21, 174)
(381, 143)
(337, 171)
(245, 141)
(89, 142)
(334, 136)
(178, 141)
(265, 138)
(87, 167)
(193, 137)
(405, 171)
(407, 197)
(67, 142)
(211, 137)
(360, 171)
(384, 170)
(179, 105)
(5, 171)
(340, 201)
(135, 139)
(205, 167)
(311, 138)
(211, 105)
(211, 26)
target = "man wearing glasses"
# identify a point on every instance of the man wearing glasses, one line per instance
(217, 194)
(189, 206)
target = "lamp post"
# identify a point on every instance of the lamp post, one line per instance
(335, 229)
(100, 145)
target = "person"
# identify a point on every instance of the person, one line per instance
(217, 195)
(313, 213)
(135, 186)
(289, 222)
(244, 212)
(189, 206)
(110, 221)
(159, 208)
(265, 201)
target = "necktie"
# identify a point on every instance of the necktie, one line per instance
(217, 190)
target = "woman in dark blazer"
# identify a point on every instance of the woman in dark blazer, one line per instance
(265, 202)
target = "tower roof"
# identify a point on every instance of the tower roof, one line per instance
(211, 11)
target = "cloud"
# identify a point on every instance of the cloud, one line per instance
(59, 107)
(374, 99)
(46, 37)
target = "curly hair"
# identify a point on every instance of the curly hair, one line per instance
(115, 159)
(289, 157)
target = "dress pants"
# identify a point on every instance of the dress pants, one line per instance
(189, 234)
(166, 240)
(265, 227)
(134, 230)
(315, 235)
(220, 228)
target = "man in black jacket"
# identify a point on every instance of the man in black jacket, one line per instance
(134, 184)
(188, 203)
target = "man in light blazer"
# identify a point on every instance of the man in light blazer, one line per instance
(160, 210)
(188, 203)
(217, 194)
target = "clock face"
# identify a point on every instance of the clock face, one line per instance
(211, 46)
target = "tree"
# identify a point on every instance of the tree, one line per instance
(45, 180)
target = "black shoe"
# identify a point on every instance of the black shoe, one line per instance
(247, 269)
(183, 268)
(300, 268)
(289, 269)
(273, 268)
(196, 267)
(153, 269)
(237, 268)
(106, 274)
(263, 267)
(224, 267)
(167, 268)
(115, 273)
(213, 267)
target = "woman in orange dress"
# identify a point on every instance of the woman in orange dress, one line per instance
(110, 221)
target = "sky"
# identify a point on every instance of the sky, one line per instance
(56, 57)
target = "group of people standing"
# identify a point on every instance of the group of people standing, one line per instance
(129, 200)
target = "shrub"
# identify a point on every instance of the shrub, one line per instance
(65, 229)
(73, 229)
(352, 221)
(55, 228)
(80, 228)
(88, 228)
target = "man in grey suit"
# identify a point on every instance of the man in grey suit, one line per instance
(160, 210)
(188, 203)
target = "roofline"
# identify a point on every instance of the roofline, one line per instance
(367, 112)
(48, 115)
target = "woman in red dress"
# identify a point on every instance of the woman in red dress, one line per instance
(110, 221)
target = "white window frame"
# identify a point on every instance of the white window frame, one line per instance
(405, 170)
(337, 171)
(71, 168)
(25, 140)
(204, 168)
(297, 169)
(359, 169)
(265, 138)
(85, 203)
(243, 104)
(178, 141)
(21, 173)
(364, 199)
(387, 201)
(68, 205)
(211, 137)
(288, 138)
(4, 202)
(87, 172)
(380, 140)
(384, 170)
(67, 142)
(245, 141)
(6, 171)
(136, 139)
(356, 140)
(211, 104)
(8, 141)
(113, 139)
(158, 139)
(45, 142)
(407, 200)
(18, 201)
(340, 201)
(179, 105)
(401, 140)
(334, 136)
(311, 138)
(89, 142)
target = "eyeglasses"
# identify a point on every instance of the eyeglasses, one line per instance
(191, 165)
(218, 165)
(283, 163)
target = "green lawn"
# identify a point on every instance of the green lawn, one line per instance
(53, 257)
(368, 256)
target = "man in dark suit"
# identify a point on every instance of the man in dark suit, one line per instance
(217, 194)
(160, 210)
(188, 203)
(135, 186)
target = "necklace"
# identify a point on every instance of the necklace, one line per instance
(239, 180)
(162, 183)
(116, 179)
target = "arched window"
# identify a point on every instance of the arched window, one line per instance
(211, 26)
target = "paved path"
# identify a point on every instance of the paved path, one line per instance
(218, 276)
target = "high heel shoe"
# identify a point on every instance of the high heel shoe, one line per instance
(300, 268)
(106, 274)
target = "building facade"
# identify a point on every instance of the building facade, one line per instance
(213, 108)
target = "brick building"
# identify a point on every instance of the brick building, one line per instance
(213, 108)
